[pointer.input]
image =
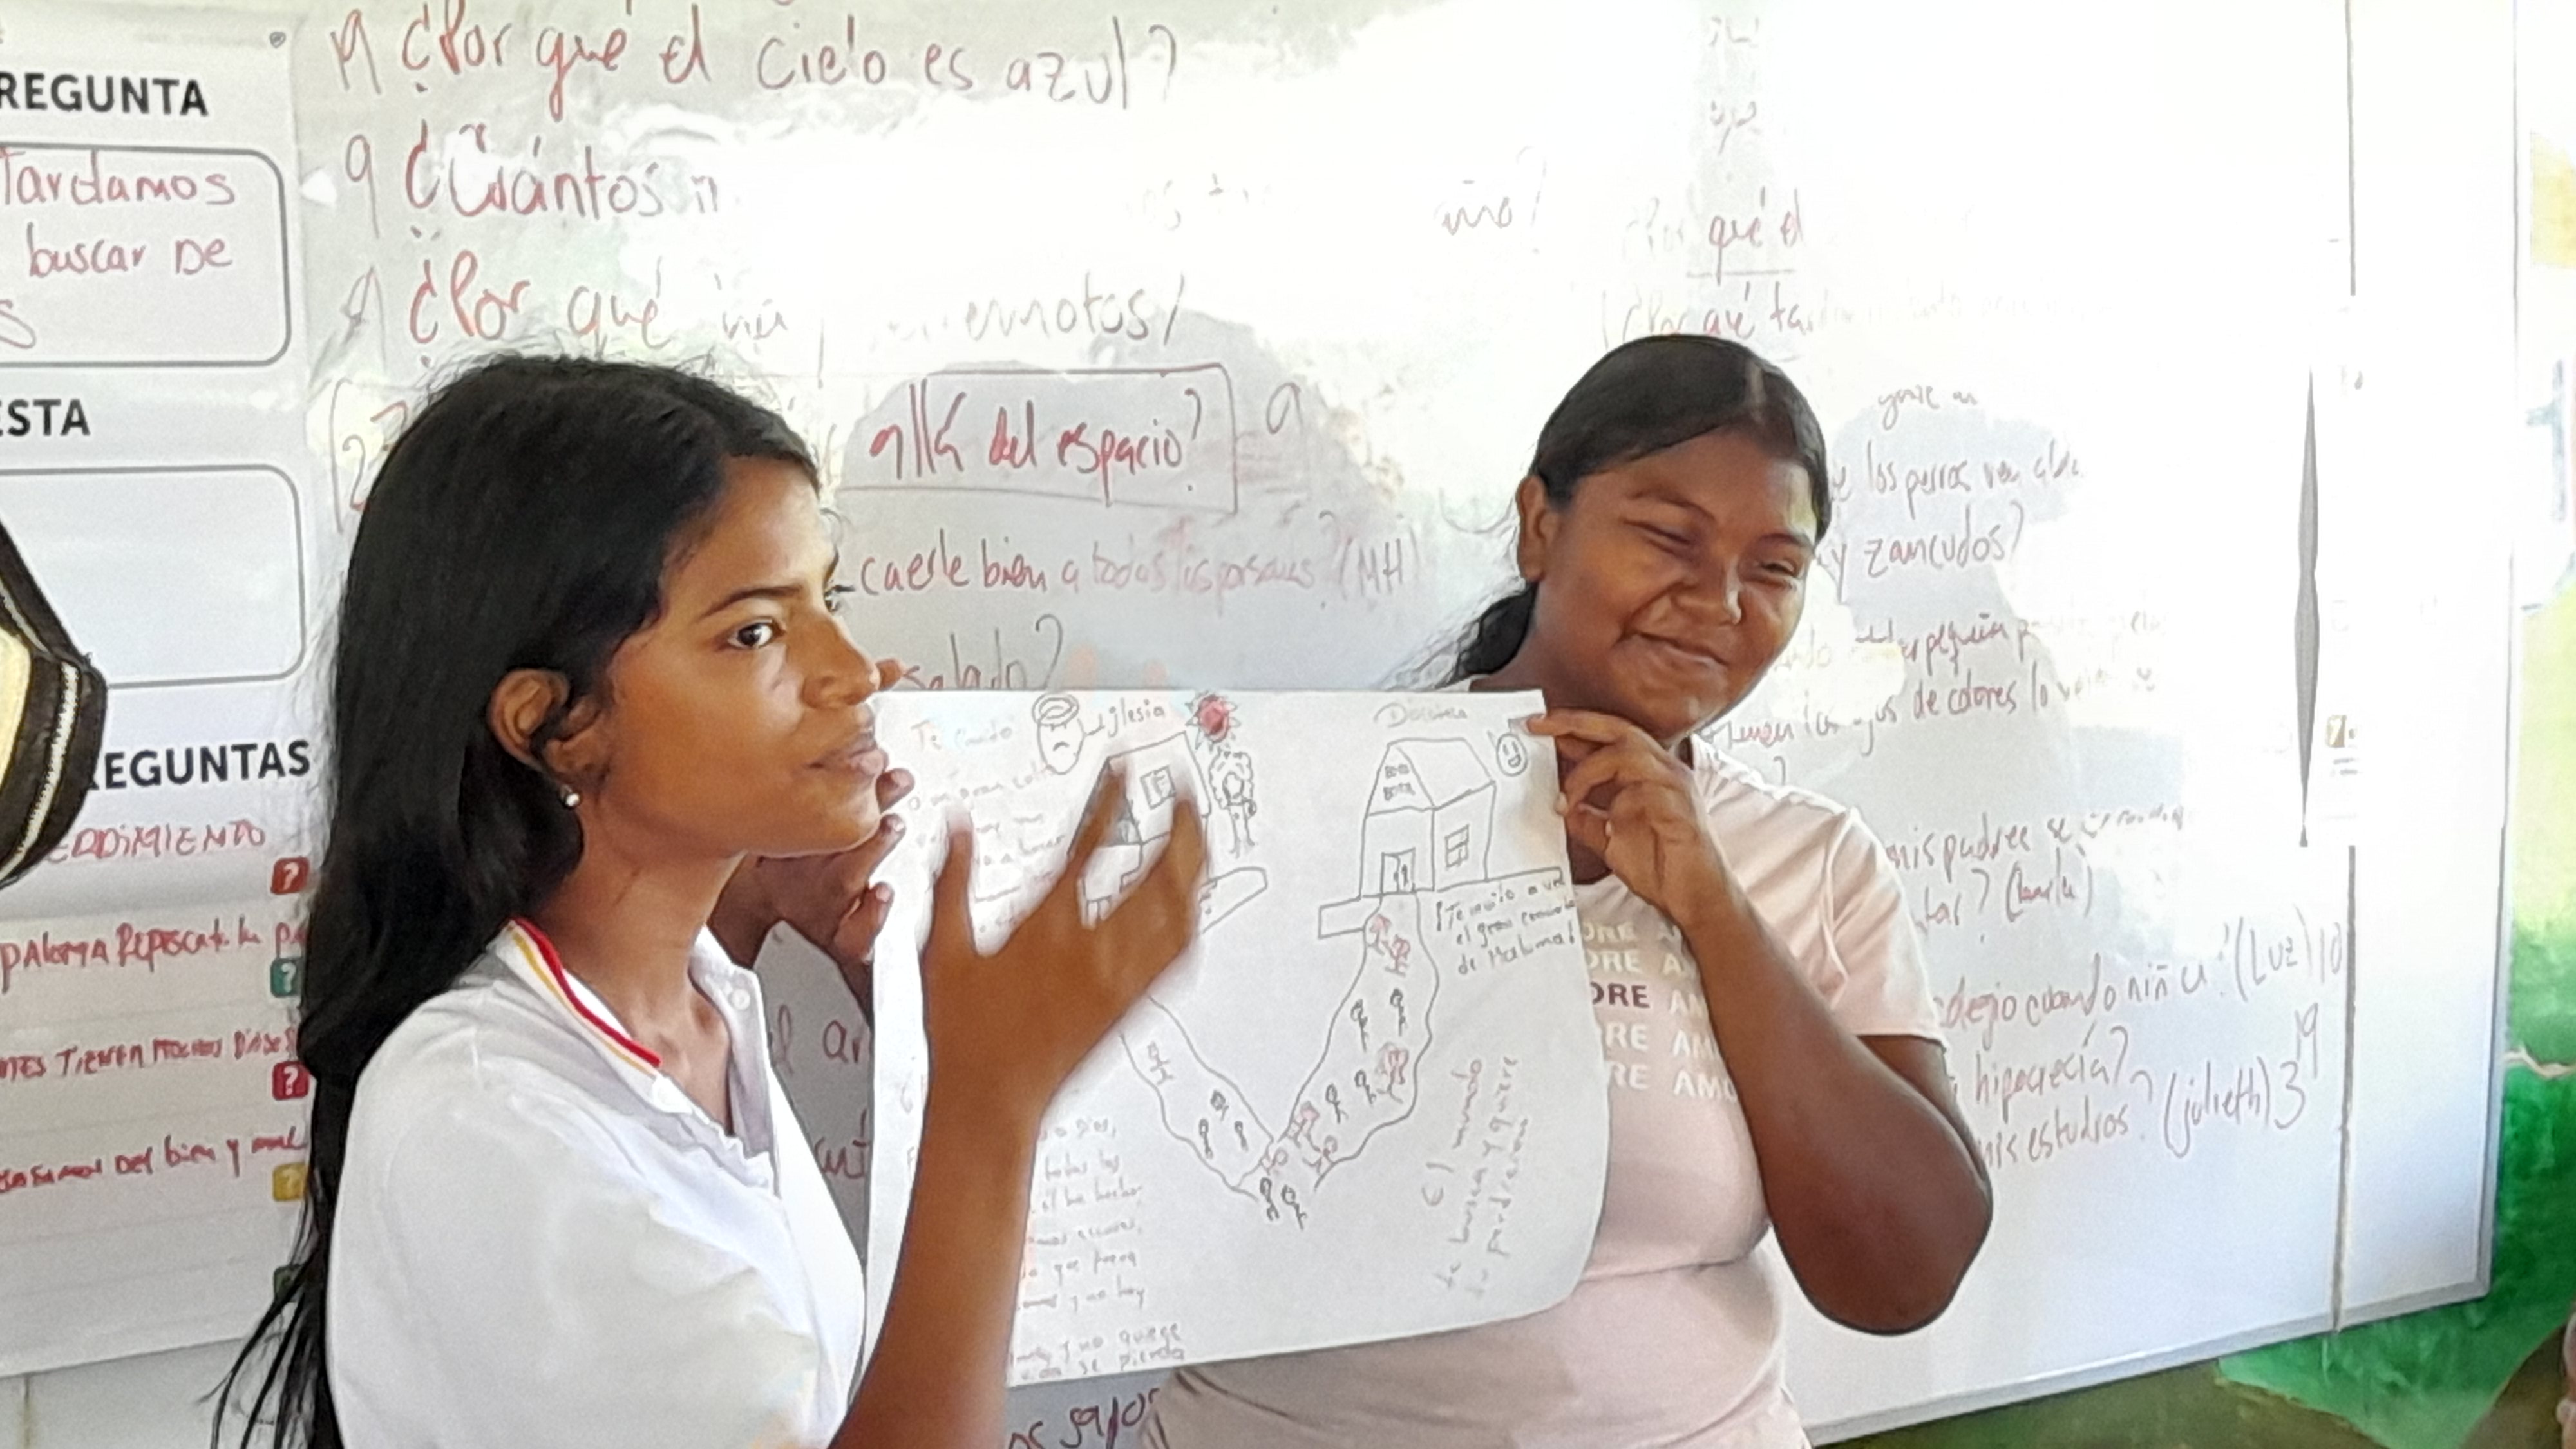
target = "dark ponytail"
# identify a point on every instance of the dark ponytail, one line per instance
(1643, 397)
(522, 521)
(1496, 636)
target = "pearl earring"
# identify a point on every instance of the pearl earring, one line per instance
(571, 798)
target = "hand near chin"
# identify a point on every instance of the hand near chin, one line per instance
(834, 901)
(1633, 804)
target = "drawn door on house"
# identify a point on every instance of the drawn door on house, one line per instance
(1395, 872)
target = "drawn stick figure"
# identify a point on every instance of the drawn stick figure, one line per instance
(1304, 1121)
(1230, 780)
(1393, 1061)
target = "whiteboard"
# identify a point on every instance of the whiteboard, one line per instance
(1202, 347)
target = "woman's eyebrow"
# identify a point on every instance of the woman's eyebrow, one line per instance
(756, 591)
(777, 591)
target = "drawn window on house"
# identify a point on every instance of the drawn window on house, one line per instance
(1158, 785)
(1395, 872)
(1455, 847)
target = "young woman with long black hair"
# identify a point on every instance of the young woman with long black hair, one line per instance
(588, 663)
(1776, 1062)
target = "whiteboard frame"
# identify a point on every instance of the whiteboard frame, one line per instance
(2499, 1040)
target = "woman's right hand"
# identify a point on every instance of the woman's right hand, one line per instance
(1006, 1029)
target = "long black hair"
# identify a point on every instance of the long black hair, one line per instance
(1642, 397)
(523, 520)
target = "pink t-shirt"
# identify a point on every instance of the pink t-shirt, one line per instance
(1673, 1336)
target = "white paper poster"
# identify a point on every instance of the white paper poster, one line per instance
(1369, 1104)
(152, 387)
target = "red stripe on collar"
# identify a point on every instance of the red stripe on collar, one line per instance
(572, 998)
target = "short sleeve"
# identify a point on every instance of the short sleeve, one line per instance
(1875, 980)
(559, 1299)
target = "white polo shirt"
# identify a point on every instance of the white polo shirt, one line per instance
(542, 1240)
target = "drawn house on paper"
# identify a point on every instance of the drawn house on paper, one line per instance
(1430, 819)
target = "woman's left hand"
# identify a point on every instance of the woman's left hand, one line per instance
(1631, 802)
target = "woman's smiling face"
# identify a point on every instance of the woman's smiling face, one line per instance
(1668, 584)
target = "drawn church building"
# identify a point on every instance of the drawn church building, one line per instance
(1155, 774)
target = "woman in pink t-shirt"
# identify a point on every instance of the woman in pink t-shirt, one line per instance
(1775, 1058)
